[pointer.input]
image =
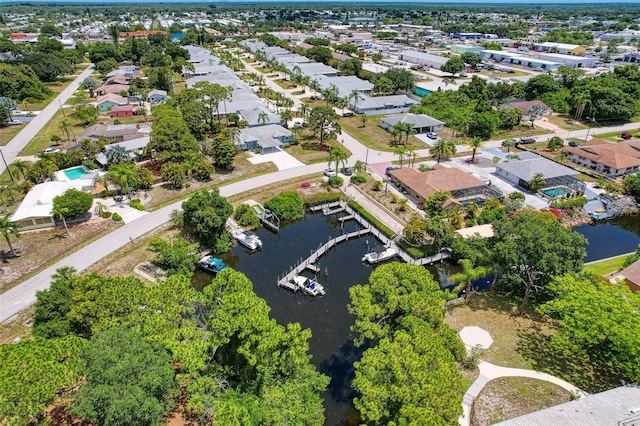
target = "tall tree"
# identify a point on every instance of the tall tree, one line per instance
(9, 229)
(337, 156)
(205, 214)
(442, 150)
(323, 119)
(475, 143)
(467, 276)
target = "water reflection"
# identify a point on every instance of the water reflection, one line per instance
(611, 238)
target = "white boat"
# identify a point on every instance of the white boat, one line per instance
(248, 239)
(309, 286)
(379, 256)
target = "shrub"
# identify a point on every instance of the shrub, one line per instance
(245, 215)
(116, 217)
(136, 204)
(626, 135)
(377, 186)
(335, 181)
(569, 203)
(106, 215)
(491, 215)
(322, 198)
(286, 206)
(73, 202)
(357, 179)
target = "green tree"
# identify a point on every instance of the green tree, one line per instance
(338, 157)
(245, 215)
(475, 144)
(533, 247)
(287, 206)
(47, 67)
(117, 154)
(383, 85)
(597, 320)
(170, 138)
(177, 256)
(536, 183)
(59, 214)
(471, 58)
(106, 66)
(22, 166)
(72, 203)
(535, 112)
(442, 150)
(466, 278)
(34, 371)
(205, 214)
(175, 174)
(129, 381)
(555, 143)
(377, 57)
(453, 66)
(9, 229)
(324, 120)
(509, 143)
(539, 85)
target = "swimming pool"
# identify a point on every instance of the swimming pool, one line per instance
(555, 192)
(75, 173)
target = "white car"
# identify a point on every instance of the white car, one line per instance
(51, 150)
(330, 172)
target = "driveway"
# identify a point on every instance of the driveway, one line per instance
(281, 159)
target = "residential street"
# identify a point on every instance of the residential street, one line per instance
(31, 129)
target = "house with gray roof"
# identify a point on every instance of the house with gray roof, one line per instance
(266, 139)
(115, 132)
(378, 105)
(134, 147)
(345, 84)
(560, 180)
(422, 123)
(260, 116)
(615, 407)
(312, 69)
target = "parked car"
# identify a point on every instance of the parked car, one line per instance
(14, 122)
(346, 171)
(51, 150)
(526, 141)
(389, 170)
(432, 135)
(329, 172)
(574, 144)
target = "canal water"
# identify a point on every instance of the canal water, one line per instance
(332, 340)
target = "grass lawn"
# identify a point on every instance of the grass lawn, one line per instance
(307, 150)
(606, 266)
(285, 84)
(565, 121)
(615, 136)
(43, 139)
(585, 178)
(373, 135)
(509, 397)
(519, 131)
(7, 133)
(525, 341)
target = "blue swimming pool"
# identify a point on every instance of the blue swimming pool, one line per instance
(75, 173)
(555, 192)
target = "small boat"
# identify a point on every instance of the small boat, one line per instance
(308, 286)
(248, 239)
(212, 264)
(378, 256)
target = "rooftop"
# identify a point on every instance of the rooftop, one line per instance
(529, 164)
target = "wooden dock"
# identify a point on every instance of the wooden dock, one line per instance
(339, 206)
(270, 220)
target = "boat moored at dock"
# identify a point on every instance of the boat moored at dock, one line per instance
(212, 264)
(309, 286)
(378, 256)
(248, 239)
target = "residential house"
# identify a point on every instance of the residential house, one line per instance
(157, 96)
(379, 105)
(108, 101)
(610, 159)
(464, 187)
(618, 406)
(312, 69)
(345, 84)
(269, 138)
(111, 88)
(135, 148)
(117, 79)
(525, 107)
(260, 116)
(122, 111)
(421, 123)
(519, 171)
(116, 132)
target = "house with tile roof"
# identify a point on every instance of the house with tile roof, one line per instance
(422, 123)
(464, 187)
(609, 159)
(525, 107)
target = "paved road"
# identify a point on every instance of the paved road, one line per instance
(19, 141)
(24, 295)
(273, 85)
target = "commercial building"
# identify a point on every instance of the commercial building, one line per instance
(562, 48)
(423, 58)
(569, 60)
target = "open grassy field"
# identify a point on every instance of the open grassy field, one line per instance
(43, 138)
(372, 135)
(525, 341)
(565, 121)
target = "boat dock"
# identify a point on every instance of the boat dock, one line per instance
(340, 206)
(270, 220)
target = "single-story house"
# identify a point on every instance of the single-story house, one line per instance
(422, 123)
(115, 132)
(140, 33)
(610, 159)
(519, 171)
(117, 79)
(464, 187)
(379, 105)
(616, 406)
(111, 88)
(313, 68)
(34, 212)
(135, 148)
(260, 116)
(345, 84)
(267, 138)
(157, 96)
(108, 101)
(122, 111)
(525, 107)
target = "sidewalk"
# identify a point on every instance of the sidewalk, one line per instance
(372, 207)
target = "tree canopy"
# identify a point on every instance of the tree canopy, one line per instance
(205, 214)
(73, 202)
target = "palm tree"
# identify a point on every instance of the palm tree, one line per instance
(304, 110)
(342, 103)
(467, 276)
(123, 174)
(101, 208)
(355, 96)
(535, 112)
(59, 213)
(263, 118)
(338, 156)
(401, 152)
(315, 87)
(580, 102)
(363, 119)
(360, 167)
(475, 143)
(65, 127)
(442, 150)
(536, 183)
(411, 153)
(8, 228)
(103, 180)
(22, 166)
(509, 143)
